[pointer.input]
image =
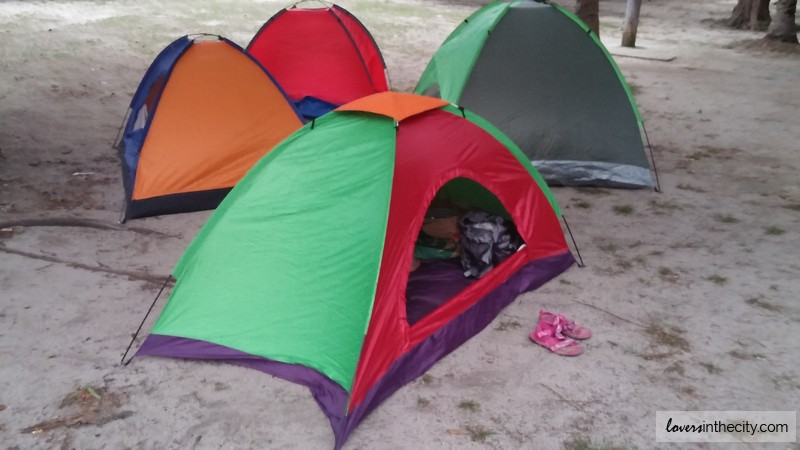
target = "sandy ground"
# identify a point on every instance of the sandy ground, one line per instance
(692, 293)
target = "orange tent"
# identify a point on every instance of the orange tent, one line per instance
(204, 113)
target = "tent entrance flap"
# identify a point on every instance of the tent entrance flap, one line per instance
(466, 231)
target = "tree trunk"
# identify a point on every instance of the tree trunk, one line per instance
(631, 23)
(748, 13)
(783, 27)
(588, 11)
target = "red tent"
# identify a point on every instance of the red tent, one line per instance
(320, 53)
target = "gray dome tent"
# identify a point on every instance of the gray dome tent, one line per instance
(542, 77)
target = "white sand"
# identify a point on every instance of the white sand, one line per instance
(667, 335)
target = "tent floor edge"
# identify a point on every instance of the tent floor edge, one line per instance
(175, 203)
(330, 396)
(448, 338)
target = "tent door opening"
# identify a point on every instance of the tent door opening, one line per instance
(465, 234)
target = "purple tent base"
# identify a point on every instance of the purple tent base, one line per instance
(331, 397)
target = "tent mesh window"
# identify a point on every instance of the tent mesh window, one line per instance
(465, 233)
(149, 104)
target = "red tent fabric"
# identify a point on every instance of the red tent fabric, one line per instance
(325, 53)
(431, 151)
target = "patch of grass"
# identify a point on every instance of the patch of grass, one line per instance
(744, 356)
(665, 207)
(469, 405)
(585, 443)
(85, 395)
(635, 88)
(793, 206)
(624, 264)
(667, 336)
(623, 210)
(423, 402)
(583, 204)
(785, 382)
(759, 302)
(709, 151)
(685, 244)
(426, 379)
(689, 187)
(593, 191)
(711, 368)
(690, 391)
(667, 274)
(563, 281)
(650, 356)
(657, 356)
(609, 247)
(717, 279)
(725, 218)
(676, 368)
(479, 433)
(772, 230)
(506, 325)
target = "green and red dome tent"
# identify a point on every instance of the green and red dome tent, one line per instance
(204, 113)
(539, 74)
(322, 56)
(302, 271)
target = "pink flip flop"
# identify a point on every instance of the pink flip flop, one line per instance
(548, 334)
(568, 327)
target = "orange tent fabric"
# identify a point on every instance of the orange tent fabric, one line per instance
(219, 112)
(395, 105)
(210, 127)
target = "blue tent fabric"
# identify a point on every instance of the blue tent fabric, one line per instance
(156, 74)
(311, 107)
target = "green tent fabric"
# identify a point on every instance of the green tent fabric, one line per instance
(318, 186)
(536, 72)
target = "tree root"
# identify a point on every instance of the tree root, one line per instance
(646, 58)
(126, 273)
(77, 222)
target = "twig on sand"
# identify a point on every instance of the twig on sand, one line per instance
(647, 58)
(577, 404)
(77, 222)
(130, 274)
(632, 322)
(76, 420)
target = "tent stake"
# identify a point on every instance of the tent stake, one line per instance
(577, 250)
(135, 335)
(652, 158)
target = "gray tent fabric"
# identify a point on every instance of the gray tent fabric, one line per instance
(543, 81)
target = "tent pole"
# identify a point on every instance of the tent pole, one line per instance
(122, 218)
(122, 361)
(118, 138)
(575, 244)
(652, 158)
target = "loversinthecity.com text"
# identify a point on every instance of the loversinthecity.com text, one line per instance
(726, 426)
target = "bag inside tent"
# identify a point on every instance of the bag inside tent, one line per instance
(465, 234)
